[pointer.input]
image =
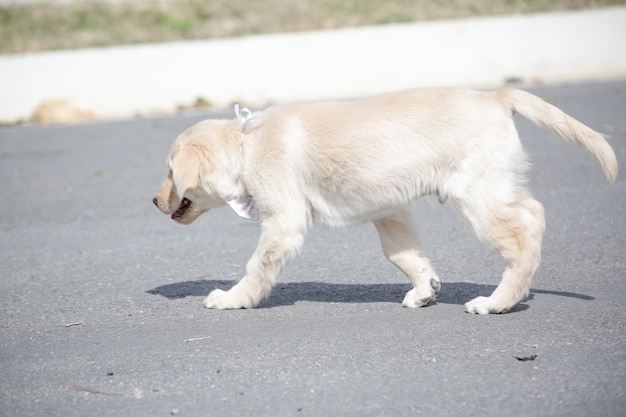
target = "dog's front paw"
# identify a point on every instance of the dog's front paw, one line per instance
(232, 299)
(485, 305)
(423, 295)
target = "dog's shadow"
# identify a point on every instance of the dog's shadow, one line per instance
(291, 292)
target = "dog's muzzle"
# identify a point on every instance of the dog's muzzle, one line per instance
(179, 212)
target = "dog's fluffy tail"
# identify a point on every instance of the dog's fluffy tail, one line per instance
(570, 129)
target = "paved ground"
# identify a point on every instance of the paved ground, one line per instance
(82, 243)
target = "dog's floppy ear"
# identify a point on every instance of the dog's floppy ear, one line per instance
(185, 168)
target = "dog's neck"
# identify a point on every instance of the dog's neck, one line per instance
(236, 133)
(234, 156)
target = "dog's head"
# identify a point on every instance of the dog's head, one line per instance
(195, 182)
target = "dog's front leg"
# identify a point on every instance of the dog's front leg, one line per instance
(277, 244)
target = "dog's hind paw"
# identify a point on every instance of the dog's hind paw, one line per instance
(485, 305)
(227, 300)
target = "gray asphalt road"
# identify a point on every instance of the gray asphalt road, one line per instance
(82, 244)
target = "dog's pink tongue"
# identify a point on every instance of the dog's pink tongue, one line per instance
(245, 208)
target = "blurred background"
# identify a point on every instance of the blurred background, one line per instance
(346, 59)
(40, 25)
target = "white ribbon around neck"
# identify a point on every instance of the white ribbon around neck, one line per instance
(244, 115)
(245, 208)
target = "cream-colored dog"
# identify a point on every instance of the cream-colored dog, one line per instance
(344, 163)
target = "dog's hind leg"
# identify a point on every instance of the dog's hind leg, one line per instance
(515, 228)
(277, 244)
(400, 245)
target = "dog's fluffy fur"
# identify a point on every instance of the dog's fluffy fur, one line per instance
(344, 163)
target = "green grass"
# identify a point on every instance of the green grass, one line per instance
(81, 24)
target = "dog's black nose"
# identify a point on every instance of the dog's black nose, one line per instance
(155, 201)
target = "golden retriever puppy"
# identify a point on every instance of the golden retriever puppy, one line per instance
(345, 163)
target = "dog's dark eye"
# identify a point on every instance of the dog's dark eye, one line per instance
(169, 174)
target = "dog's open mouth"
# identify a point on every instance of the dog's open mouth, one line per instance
(184, 205)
